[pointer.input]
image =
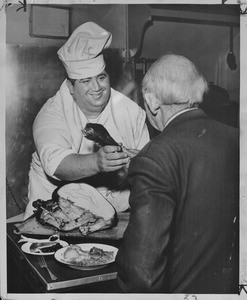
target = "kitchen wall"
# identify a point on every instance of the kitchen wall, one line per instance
(110, 17)
(34, 72)
(205, 45)
(17, 30)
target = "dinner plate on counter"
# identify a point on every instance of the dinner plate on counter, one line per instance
(26, 248)
(86, 265)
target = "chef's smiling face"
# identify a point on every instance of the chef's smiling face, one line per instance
(91, 94)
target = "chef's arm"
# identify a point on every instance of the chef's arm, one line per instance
(76, 166)
(142, 258)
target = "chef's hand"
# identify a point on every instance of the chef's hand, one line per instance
(111, 158)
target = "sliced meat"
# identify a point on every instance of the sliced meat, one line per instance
(45, 247)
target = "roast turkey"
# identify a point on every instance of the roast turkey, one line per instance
(76, 206)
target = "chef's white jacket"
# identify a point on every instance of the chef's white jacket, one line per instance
(57, 132)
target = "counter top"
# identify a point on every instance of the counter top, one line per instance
(67, 278)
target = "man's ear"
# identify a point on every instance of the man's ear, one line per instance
(70, 87)
(152, 102)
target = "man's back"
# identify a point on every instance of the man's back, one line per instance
(206, 215)
(186, 198)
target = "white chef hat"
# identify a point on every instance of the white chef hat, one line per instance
(80, 55)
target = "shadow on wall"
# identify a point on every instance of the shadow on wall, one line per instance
(217, 105)
(121, 73)
(34, 74)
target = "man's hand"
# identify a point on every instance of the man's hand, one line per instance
(111, 158)
(130, 152)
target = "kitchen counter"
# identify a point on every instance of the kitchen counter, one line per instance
(25, 275)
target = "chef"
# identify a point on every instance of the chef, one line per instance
(63, 155)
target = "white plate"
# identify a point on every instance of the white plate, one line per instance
(59, 256)
(26, 247)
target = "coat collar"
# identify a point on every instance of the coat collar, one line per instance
(187, 116)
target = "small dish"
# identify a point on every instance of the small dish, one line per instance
(26, 248)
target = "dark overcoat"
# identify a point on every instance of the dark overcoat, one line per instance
(182, 235)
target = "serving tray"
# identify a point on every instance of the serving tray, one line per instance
(33, 227)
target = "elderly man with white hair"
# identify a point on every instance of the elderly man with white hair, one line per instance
(182, 235)
(63, 155)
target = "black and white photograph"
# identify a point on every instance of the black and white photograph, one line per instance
(123, 149)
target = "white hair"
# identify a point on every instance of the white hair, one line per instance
(174, 79)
